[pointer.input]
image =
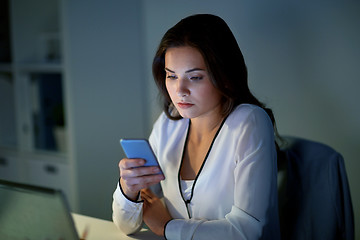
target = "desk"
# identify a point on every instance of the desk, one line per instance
(99, 229)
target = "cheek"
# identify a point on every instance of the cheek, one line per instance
(169, 89)
(210, 95)
(207, 92)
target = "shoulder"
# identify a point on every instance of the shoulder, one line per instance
(251, 129)
(163, 122)
(248, 114)
(166, 130)
(164, 126)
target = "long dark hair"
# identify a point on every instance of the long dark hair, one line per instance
(211, 36)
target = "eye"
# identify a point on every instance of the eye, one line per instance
(171, 77)
(196, 78)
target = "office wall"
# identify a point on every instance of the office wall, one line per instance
(303, 61)
(105, 94)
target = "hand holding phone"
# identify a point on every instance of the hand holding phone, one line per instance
(135, 176)
(139, 148)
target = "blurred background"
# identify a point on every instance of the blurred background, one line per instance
(75, 77)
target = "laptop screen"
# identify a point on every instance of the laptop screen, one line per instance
(29, 212)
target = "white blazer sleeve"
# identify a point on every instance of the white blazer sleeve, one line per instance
(127, 215)
(228, 228)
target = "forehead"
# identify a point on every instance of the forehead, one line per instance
(184, 58)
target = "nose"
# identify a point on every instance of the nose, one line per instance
(182, 89)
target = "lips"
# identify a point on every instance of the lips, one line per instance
(184, 105)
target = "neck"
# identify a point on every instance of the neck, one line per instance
(201, 128)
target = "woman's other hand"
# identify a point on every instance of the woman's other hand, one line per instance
(134, 176)
(155, 213)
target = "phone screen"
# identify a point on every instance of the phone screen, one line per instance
(139, 148)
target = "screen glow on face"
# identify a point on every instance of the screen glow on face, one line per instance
(188, 83)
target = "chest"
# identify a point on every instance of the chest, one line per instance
(215, 181)
(194, 156)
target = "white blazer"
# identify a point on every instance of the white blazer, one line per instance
(234, 195)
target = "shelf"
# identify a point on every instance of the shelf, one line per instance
(32, 67)
(42, 155)
(39, 67)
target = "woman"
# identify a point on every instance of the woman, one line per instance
(214, 142)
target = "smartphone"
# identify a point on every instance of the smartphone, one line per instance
(139, 148)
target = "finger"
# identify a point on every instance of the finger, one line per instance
(146, 180)
(148, 192)
(139, 171)
(148, 195)
(146, 204)
(144, 194)
(144, 197)
(147, 200)
(127, 163)
(139, 183)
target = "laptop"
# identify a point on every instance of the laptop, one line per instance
(34, 213)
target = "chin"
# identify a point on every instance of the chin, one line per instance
(184, 115)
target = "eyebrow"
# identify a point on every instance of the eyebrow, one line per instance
(188, 71)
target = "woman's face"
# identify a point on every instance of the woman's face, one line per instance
(188, 83)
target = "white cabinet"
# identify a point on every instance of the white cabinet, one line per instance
(49, 174)
(34, 76)
(10, 167)
(39, 170)
(86, 59)
(32, 95)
